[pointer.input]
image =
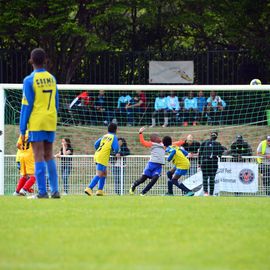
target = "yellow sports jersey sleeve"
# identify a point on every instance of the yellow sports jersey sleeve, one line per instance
(180, 160)
(44, 115)
(102, 154)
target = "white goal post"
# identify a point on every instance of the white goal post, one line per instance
(85, 87)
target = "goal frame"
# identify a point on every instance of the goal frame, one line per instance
(150, 87)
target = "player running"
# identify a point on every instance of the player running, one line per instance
(153, 168)
(27, 167)
(103, 146)
(181, 163)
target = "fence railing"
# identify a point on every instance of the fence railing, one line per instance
(124, 171)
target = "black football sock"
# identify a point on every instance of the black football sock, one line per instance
(150, 184)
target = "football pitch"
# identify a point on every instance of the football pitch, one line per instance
(80, 232)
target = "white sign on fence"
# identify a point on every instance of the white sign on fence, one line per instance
(231, 177)
(171, 72)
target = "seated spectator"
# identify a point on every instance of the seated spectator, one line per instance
(103, 113)
(173, 106)
(215, 107)
(160, 110)
(190, 110)
(82, 107)
(240, 148)
(201, 103)
(123, 100)
(136, 106)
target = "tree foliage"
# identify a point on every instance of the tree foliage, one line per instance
(69, 29)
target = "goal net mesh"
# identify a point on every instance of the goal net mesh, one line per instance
(85, 114)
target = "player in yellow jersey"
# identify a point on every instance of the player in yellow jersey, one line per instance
(39, 116)
(27, 167)
(181, 163)
(103, 146)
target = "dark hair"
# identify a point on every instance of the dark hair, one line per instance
(112, 128)
(167, 141)
(123, 140)
(38, 56)
(68, 142)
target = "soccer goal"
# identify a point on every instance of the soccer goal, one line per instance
(179, 111)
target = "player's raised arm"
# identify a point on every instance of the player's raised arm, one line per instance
(142, 140)
(178, 143)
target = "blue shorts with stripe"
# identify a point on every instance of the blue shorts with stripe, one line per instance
(152, 169)
(41, 136)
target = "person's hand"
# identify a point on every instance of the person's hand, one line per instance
(23, 138)
(118, 155)
(57, 155)
(190, 155)
(142, 129)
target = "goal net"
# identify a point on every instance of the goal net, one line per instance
(186, 113)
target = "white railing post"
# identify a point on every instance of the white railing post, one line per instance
(2, 139)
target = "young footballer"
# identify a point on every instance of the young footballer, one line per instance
(181, 163)
(154, 166)
(39, 116)
(103, 147)
(27, 167)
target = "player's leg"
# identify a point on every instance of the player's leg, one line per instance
(212, 174)
(178, 173)
(204, 168)
(139, 181)
(29, 165)
(99, 174)
(155, 175)
(150, 184)
(40, 168)
(23, 178)
(169, 182)
(51, 166)
(101, 183)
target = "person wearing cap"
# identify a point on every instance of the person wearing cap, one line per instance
(240, 148)
(209, 153)
(263, 150)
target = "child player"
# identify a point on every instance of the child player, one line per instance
(103, 147)
(154, 166)
(181, 163)
(27, 167)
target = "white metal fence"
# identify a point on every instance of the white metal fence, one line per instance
(121, 175)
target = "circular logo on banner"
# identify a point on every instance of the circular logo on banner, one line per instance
(246, 176)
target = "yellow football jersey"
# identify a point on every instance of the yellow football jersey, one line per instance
(180, 160)
(44, 114)
(25, 148)
(102, 154)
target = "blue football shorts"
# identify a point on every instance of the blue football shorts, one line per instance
(152, 169)
(41, 136)
(100, 167)
(180, 172)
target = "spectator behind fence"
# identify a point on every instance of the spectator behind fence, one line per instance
(201, 103)
(209, 153)
(240, 148)
(173, 106)
(81, 108)
(104, 114)
(215, 107)
(160, 110)
(136, 106)
(123, 100)
(263, 150)
(66, 162)
(190, 110)
(119, 163)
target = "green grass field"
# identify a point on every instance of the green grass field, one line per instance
(80, 232)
